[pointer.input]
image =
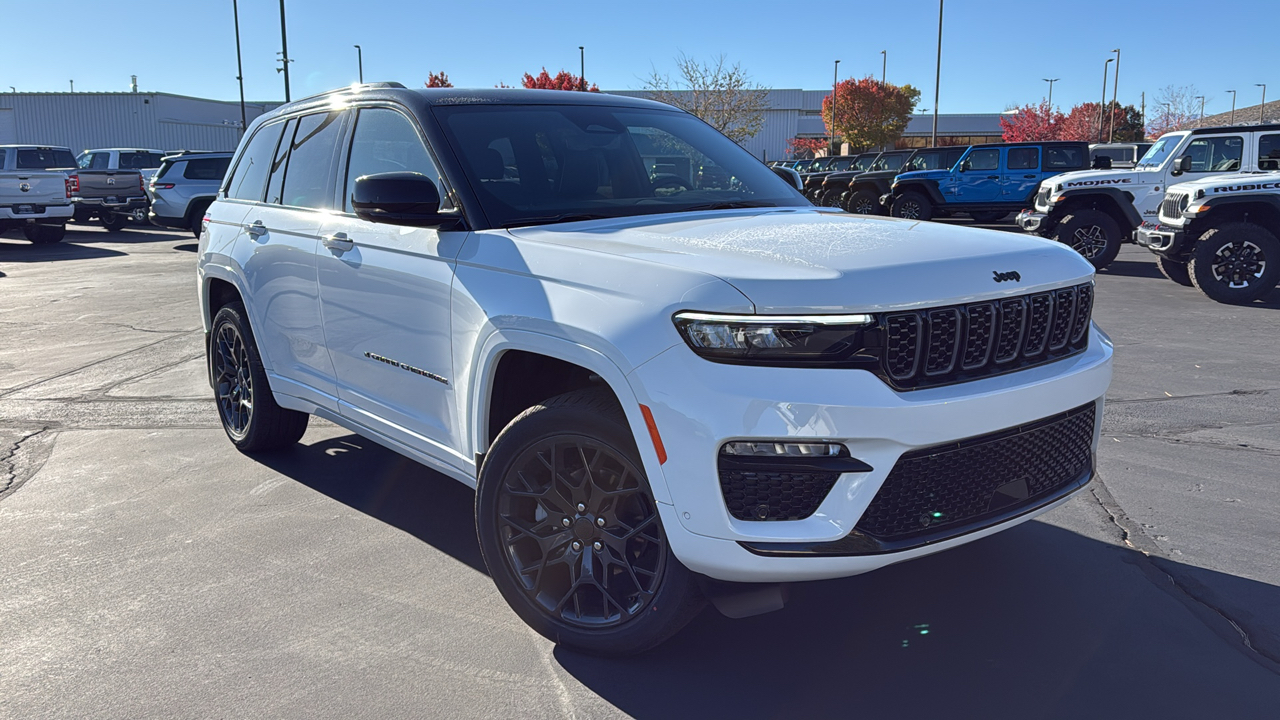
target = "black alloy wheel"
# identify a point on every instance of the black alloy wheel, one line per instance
(912, 206)
(1092, 233)
(232, 379)
(1236, 263)
(864, 202)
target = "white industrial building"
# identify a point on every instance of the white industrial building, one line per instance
(161, 121)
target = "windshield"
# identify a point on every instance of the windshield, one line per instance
(863, 163)
(45, 159)
(888, 162)
(141, 160)
(1159, 152)
(539, 164)
(924, 161)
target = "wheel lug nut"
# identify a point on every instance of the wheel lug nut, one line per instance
(577, 545)
(600, 522)
(581, 507)
(566, 522)
(597, 545)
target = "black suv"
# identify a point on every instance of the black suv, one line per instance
(862, 196)
(837, 164)
(835, 186)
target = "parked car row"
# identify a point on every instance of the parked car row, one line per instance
(43, 187)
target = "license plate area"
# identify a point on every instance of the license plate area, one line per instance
(25, 210)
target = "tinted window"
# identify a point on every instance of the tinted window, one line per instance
(983, 160)
(1063, 158)
(2, 158)
(386, 141)
(308, 182)
(45, 159)
(206, 169)
(139, 160)
(864, 162)
(1119, 154)
(275, 184)
(251, 171)
(1216, 154)
(1024, 158)
(1268, 152)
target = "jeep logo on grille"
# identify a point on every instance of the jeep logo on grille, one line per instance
(1002, 276)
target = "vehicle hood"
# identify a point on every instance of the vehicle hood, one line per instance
(810, 260)
(1234, 183)
(879, 175)
(1101, 178)
(923, 175)
(843, 175)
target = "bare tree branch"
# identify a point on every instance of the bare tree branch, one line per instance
(723, 95)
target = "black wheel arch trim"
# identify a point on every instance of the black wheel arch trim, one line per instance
(1122, 199)
(1273, 201)
(928, 188)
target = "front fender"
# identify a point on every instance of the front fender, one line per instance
(1121, 198)
(928, 188)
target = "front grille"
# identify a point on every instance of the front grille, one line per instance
(940, 346)
(994, 474)
(770, 495)
(1171, 208)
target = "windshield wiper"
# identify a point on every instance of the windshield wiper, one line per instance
(729, 205)
(551, 219)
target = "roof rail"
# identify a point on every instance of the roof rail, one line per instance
(355, 86)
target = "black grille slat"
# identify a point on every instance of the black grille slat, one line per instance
(939, 346)
(956, 483)
(1172, 207)
(752, 495)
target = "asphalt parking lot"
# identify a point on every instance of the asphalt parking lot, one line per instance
(149, 570)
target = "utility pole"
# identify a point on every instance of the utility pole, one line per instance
(937, 78)
(1051, 81)
(582, 69)
(244, 119)
(284, 53)
(1143, 114)
(835, 87)
(1232, 121)
(1115, 88)
(1262, 109)
(1101, 108)
(884, 64)
(360, 62)
(1201, 99)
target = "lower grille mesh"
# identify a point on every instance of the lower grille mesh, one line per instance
(752, 495)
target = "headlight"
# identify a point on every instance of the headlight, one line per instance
(1057, 188)
(1184, 202)
(789, 340)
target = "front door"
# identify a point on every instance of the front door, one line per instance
(979, 177)
(384, 290)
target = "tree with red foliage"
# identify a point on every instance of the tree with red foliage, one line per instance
(870, 113)
(1032, 122)
(563, 80)
(438, 80)
(805, 147)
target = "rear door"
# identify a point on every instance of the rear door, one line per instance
(385, 293)
(1022, 173)
(979, 178)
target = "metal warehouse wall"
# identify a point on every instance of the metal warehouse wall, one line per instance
(83, 121)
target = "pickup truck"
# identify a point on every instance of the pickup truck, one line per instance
(35, 193)
(142, 160)
(114, 196)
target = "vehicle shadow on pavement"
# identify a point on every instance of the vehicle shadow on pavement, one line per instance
(1136, 269)
(25, 252)
(131, 235)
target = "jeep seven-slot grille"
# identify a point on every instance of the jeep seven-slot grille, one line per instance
(1171, 207)
(939, 346)
(995, 474)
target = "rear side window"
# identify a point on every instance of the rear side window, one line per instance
(1268, 152)
(165, 168)
(206, 169)
(1024, 158)
(45, 159)
(275, 185)
(139, 160)
(386, 141)
(1216, 154)
(1063, 158)
(983, 160)
(250, 177)
(308, 181)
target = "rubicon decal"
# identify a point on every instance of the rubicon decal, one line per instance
(1095, 183)
(410, 368)
(1002, 276)
(1244, 188)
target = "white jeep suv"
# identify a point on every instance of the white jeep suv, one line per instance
(670, 377)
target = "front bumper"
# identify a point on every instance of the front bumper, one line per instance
(20, 211)
(1161, 239)
(1030, 220)
(698, 405)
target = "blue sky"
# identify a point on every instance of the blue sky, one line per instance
(995, 52)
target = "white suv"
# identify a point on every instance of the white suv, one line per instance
(665, 372)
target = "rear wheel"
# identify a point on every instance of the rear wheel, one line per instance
(44, 234)
(830, 198)
(1236, 263)
(249, 413)
(197, 219)
(912, 206)
(1092, 233)
(113, 221)
(1175, 270)
(571, 534)
(864, 202)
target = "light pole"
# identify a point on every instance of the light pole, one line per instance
(1262, 109)
(1232, 121)
(937, 78)
(835, 88)
(244, 119)
(360, 61)
(1051, 81)
(284, 53)
(1101, 108)
(1115, 88)
(1201, 99)
(73, 87)
(582, 68)
(884, 64)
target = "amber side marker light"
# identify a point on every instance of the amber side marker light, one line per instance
(653, 434)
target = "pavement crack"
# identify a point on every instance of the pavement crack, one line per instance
(1238, 391)
(13, 471)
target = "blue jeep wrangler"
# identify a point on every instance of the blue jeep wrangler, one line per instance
(988, 183)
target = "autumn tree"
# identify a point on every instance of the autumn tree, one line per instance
(869, 113)
(438, 80)
(562, 80)
(800, 147)
(1031, 122)
(723, 95)
(1175, 107)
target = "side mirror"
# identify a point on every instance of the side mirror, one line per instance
(1182, 164)
(791, 176)
(966, 166)
(400, 198)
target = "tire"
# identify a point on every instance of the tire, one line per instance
(989, 216)
(44, 234)
(831, 198)
(236, 368)
(912, 206)
(1235, 263)
(82, 216)
(864, 202)
(1175, 270)
(113, 221)
(1092, 233)
(535, 540)
(197, 219)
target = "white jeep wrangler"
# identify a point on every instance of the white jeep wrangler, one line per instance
(670, 377)
(1094, 211)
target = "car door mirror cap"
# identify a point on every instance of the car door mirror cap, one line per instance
(1182, 164)
(791, 176)
(401, 198)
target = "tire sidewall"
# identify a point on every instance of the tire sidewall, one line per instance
(1066, 230)
(926, 207)
(869, 196)
(1175, 270)
(113, 221)
(1200, 267)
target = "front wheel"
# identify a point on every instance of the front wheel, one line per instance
(1236, 263)
(912, 206)
(864, 202)
(1175, 270)
(1092, 233)
(570, 532)
(44, 234)
(249, 413)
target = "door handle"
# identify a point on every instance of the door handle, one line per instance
(337, 242)
(1029, 177)
(257, 229)
(993, 177)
